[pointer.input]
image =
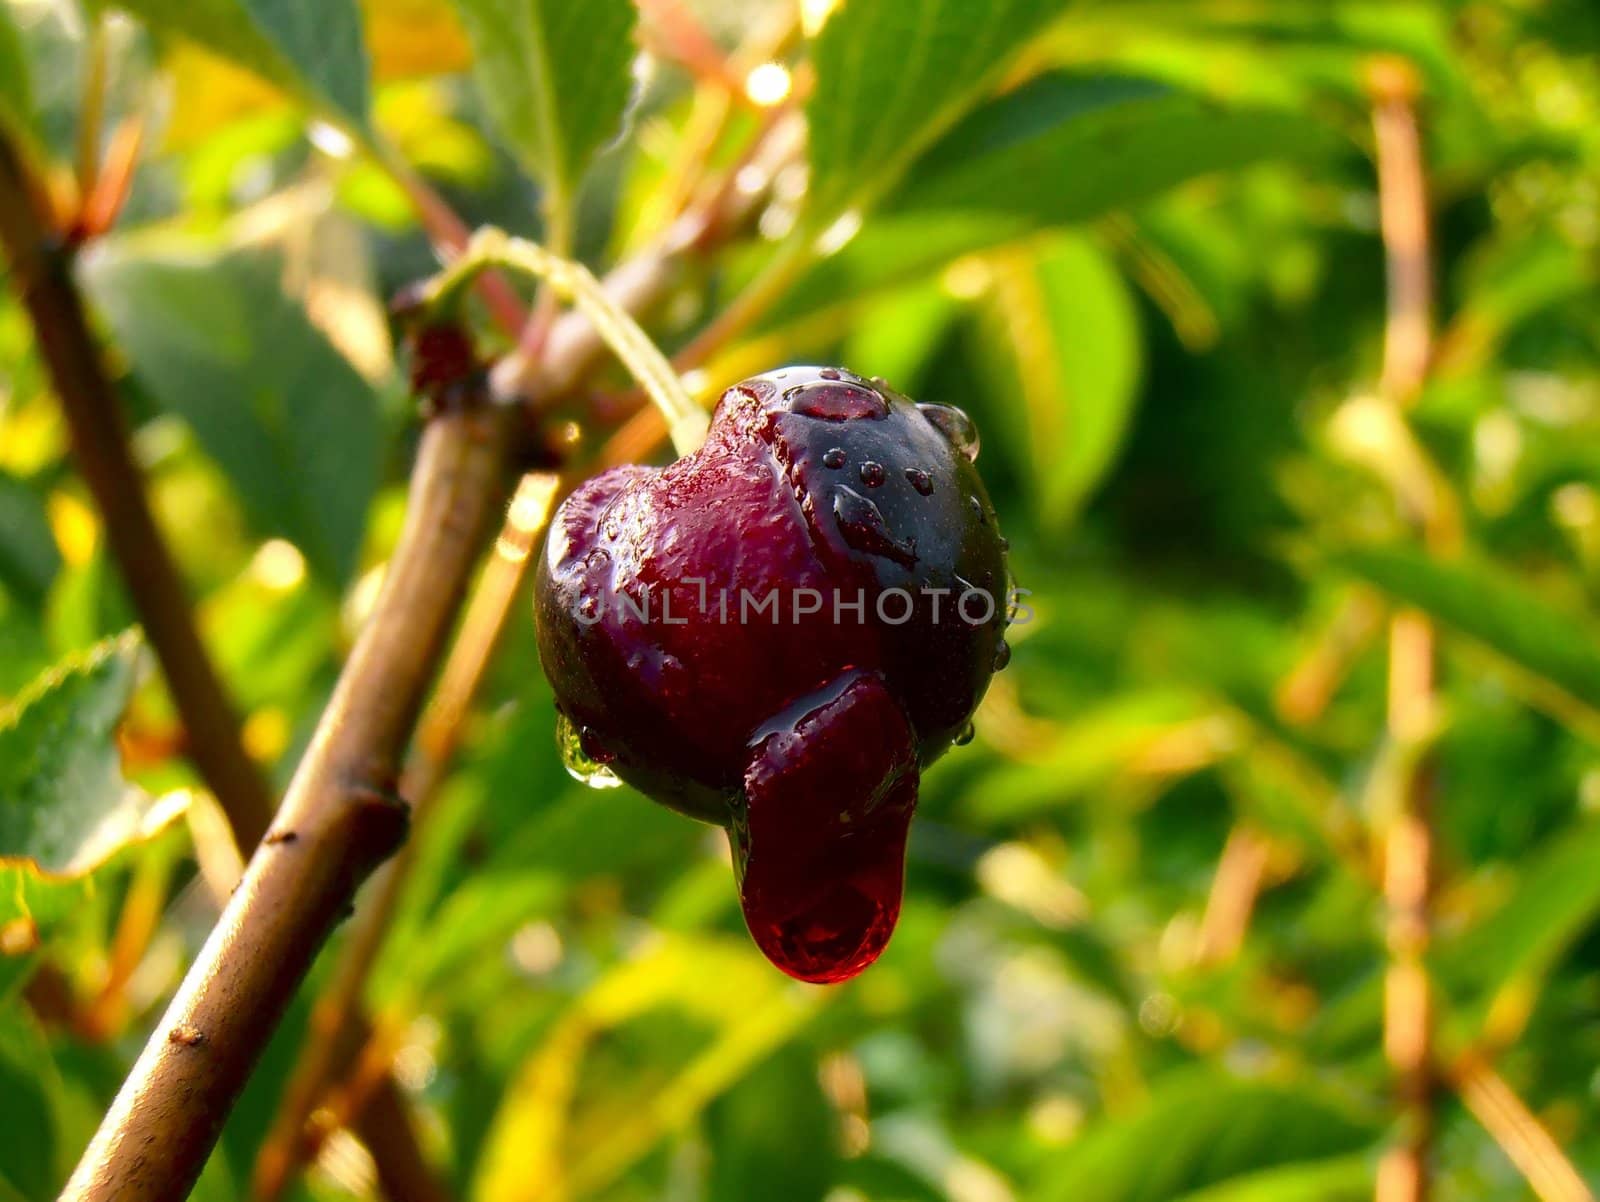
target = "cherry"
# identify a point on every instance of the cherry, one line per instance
(778, 633)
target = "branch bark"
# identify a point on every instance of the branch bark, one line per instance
(340, 1029)
(567, 346)
(41, 268)
(339, 821)
(101, 446)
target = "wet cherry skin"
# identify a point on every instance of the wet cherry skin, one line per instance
(778, 632)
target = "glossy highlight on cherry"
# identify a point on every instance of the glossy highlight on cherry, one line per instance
(804, 734)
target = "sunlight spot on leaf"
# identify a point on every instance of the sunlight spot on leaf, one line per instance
(768, 84)
(75, 527)
(278, 565)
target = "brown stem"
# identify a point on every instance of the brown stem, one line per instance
(1404, 1174)
(42, 274)
(1403, 217)
(1234, 891)
(339, 1029)
(1519, 1133)
(338, 822)
(155, 1139)
(384, 1125)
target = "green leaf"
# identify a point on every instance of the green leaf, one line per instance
(1082, 755)
(892, 75)
(30, 1106)
(697, 1015)
(16, 96)
(284, 414)
(1068, 331)
(63, 802)
(1200, 1129)
(1065, 148)
(28, 556)
(313, 49)
(896, 336)
(1555, 653)
(555, 77)
(65, 808)
(1557, 900)
(772, 1135)
(1341, 1179)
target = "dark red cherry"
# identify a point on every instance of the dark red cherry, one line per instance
(777, 633)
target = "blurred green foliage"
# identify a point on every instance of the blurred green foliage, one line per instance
(1141, 954)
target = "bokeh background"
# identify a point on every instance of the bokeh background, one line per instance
(1144, 941)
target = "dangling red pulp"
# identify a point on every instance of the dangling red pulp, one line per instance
(820, 845)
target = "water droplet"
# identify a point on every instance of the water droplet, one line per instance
(580, 765)
(955, 425)
(597, 558)
(1002, 656)
(977, 510)
(863, 526)
(964, 735)
(1005, 544)
(836, 401)
(833, 457)
(920, 480)
(829, 373)
(872, 474)
(879, 382)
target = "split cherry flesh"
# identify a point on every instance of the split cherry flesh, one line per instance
(778, 633)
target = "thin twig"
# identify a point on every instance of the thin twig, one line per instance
(386, 1127)
(41, 269)
(490, 247)
(158, 1133)
(339, 821)
(1404, 1174)
(1518, 1132)
(339, 1029)
(1234, 890)
(91, 117)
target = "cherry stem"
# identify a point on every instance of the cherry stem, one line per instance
(687, 422)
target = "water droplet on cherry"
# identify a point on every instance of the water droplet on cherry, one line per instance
(862, 525)
(955, 425)
(965, 734)
(872, 474)
(580, 765)
(1002, 656)
(836, 400)
(977, 510)
(920, 480)
(833, 457)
